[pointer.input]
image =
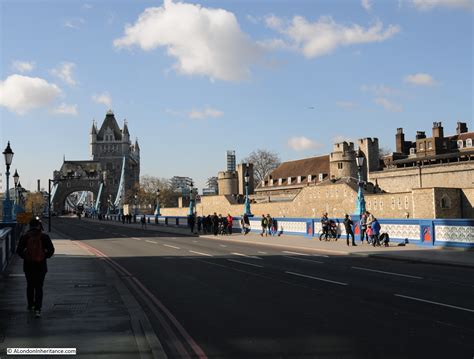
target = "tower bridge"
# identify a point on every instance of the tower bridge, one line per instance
(112, 170)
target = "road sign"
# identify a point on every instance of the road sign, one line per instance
(24, 218)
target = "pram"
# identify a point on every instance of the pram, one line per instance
(332, 230)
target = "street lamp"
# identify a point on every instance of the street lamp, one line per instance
(16, 178)
(7, 207)
(360, 208)
(157, 209)
(191, 200)
(247, 201)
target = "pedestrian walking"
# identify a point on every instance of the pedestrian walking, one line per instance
(269, 224)
(191, 222)
(376, 232)
(215, 223)
(363, 228)
(199, 223)
(230, 221)
(370, 220)
(143, 222)
(348, 223)
(264, 224)
(246, 224)
(324, 226)
(35, 247)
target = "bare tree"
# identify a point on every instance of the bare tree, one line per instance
(35, 202)
(384, 151)
(264, 162)
(149, 186)
(212, 182)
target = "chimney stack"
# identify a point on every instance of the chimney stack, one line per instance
(39, 187)
(438, 130)
(462, 128)
(420, 135)
(400, 141)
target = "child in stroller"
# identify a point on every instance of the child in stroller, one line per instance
(332, 230)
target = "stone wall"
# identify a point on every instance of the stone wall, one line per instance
(340, 198)
(451, 175)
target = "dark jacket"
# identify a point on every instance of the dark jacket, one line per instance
(348, 225)
(48, 248)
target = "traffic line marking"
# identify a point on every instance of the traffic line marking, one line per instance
(167, 245)
(300, 254)
(223, 245)
(390, 273)
(316, 278)
(138, 239)
(146, 240)
(260, 252)
(203, 254)
(437, 303)
(303, 259)
(245, 255)
(249, 264)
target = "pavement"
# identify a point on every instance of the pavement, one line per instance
(86, 306)
(409, 253)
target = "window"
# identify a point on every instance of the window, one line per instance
(368, 204)
(310, 178)
(289, 180)
(375, 204)
(280, 181)
(445, 202)
(299, 179)
(406, 202)
(460, 144)
(381, 204)
(469, 142)
(412, 151)
(430, 145)
(393, 202)
(422, 146)
(321, 177)
(399, 203)
(263, 183)
(340, 166)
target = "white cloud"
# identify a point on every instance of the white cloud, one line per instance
(348, 105)
(103, 98)
(64, 109)
(420, 79)
(87, 6)
(23, 66)
(64, 72)
(208, 112)
(455, 4)
(21, 94)
(388, 105)
(74, 23)
(206, 42)
(367, 5)
(325, 35)
(302, 143)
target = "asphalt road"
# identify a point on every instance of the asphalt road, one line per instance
(234, 300)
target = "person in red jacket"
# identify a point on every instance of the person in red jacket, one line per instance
(35, 247)
(229, 224)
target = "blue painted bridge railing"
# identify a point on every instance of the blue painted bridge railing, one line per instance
(431, 232)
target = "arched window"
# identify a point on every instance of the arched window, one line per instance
(445, 202)
(469, 142)
(460, 143)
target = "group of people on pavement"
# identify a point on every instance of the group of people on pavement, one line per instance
(269, 226)
(211, 224)
(369, 229)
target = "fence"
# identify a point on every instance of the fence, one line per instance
(432, 232)
(9, 234)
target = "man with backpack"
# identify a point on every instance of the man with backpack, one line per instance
(264, 224)
(35, 247)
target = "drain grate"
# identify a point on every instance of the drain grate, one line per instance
(69, 307)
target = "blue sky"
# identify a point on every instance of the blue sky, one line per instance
(195, 79)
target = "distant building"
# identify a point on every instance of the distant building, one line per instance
(181, 184)
(231, 161)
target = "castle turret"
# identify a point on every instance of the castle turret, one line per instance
(125, 138)
(370, 149)
(93, 140)
(342, 161)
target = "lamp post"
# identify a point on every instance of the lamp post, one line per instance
(360, 208)
(191, 200)
(7, 206)
(247, 201)
(16, 178)
(157, 208)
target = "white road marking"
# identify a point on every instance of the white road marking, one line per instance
(194, 241)
(262, 252)
(300, 254)
(203, 254)
(321, 279)
(146, 240)
(391, 273)
(437, 303)
(223, 245)
(303, 259)
(167, 245)
(249, 264)
(245, 255)
(16, 275)
(138, 239)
